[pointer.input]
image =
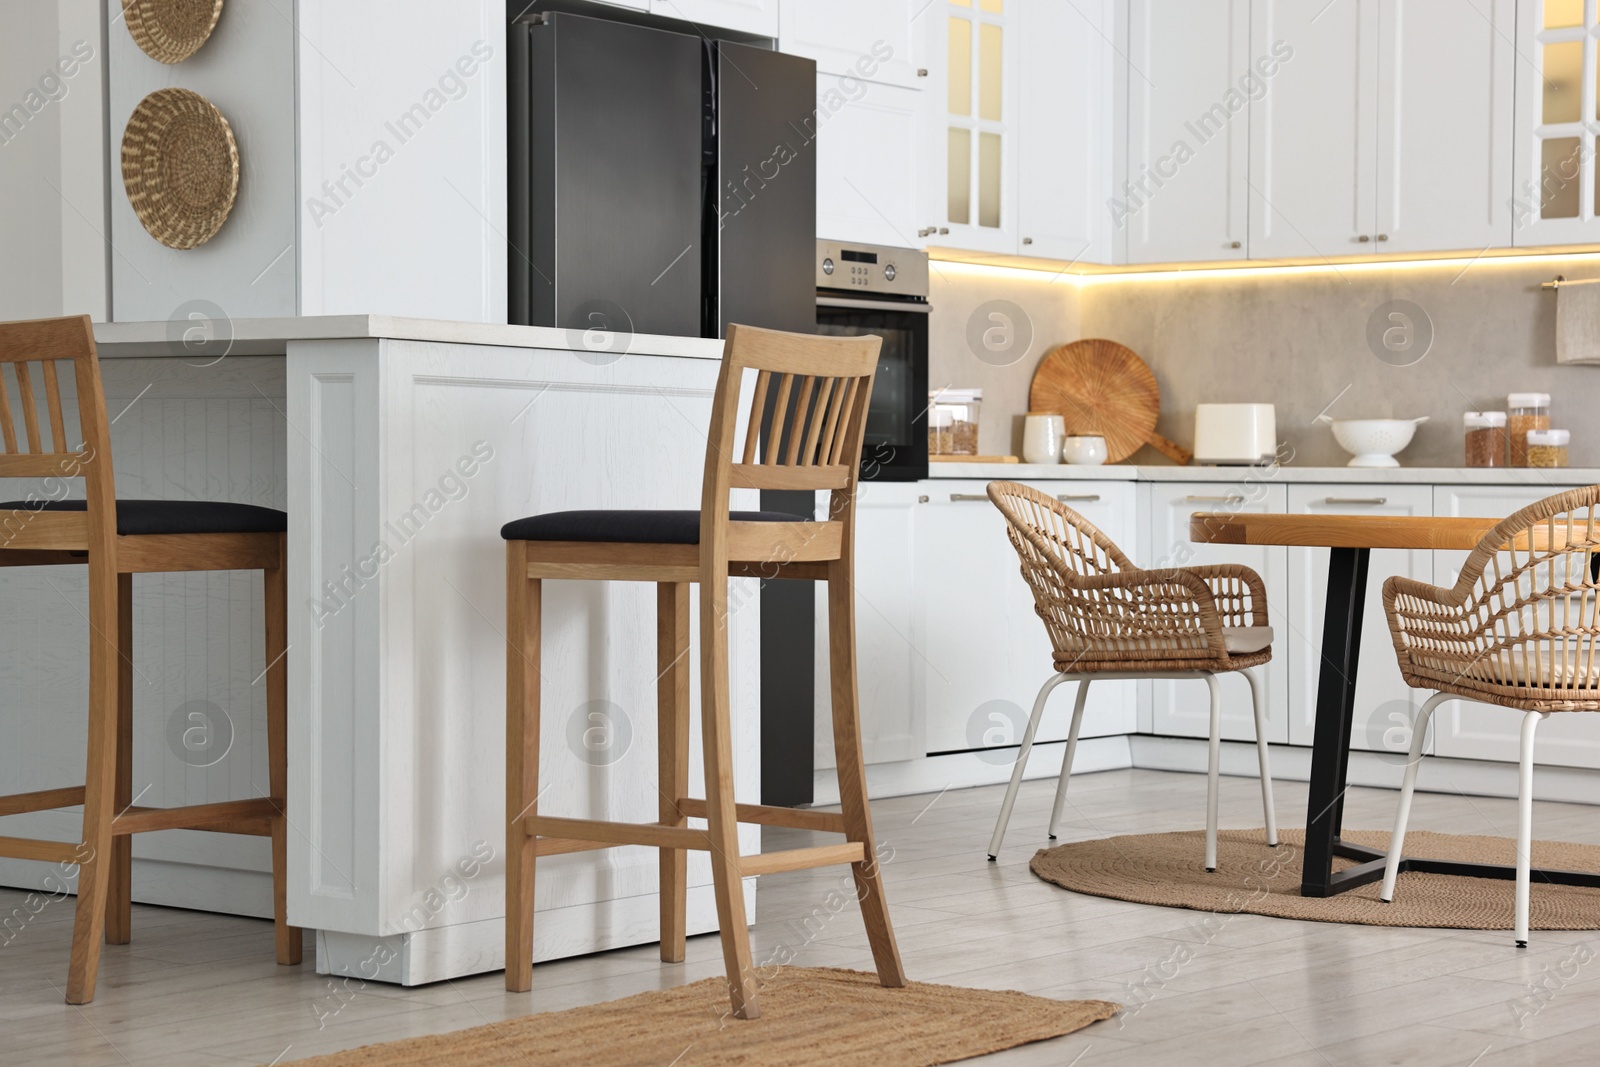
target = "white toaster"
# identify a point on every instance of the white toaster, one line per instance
(1235, 433)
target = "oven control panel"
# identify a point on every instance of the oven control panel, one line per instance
(872, 269)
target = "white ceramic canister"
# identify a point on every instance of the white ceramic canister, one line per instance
(1042, 432)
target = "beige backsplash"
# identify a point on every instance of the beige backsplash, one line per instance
(1294, 339)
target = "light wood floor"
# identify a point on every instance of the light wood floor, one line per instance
(203, 989)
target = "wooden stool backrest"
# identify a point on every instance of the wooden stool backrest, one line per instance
(33, 349)
(818, 388)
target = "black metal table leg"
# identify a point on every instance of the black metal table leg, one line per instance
(1336, 693)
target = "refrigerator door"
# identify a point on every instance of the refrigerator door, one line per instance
(611, 169)
(762, 218)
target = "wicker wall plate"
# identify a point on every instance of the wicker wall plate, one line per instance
(1101, 387)
(171, 30)
(180, 166)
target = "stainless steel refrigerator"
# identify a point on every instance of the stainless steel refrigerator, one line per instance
(665, 182)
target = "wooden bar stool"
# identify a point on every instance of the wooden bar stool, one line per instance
(818, 388)
(117, 539)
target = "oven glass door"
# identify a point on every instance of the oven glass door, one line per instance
(896, 445)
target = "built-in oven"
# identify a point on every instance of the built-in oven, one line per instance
(876, 289)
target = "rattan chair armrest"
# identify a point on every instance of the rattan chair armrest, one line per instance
(1171, 587)
(1223, 580)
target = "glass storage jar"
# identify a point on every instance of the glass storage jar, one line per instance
(959, 437)
(1548, 448)
(1485, 438)
(1525, 412)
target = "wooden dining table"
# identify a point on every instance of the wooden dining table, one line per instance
(1351, 539)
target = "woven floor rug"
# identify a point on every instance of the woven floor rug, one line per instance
(809, 1016)
(1169, 869)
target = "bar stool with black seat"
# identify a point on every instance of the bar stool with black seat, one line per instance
(818, 388)
(117, 539)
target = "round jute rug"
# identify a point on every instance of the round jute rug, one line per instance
(1168, 869)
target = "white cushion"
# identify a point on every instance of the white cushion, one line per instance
(1241, 640)
(1545, 669)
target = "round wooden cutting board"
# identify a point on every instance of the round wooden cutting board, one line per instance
(1101, 387)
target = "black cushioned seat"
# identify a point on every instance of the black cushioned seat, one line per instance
(630, 527)
(136, 518)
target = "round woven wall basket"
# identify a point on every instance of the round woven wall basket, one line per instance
(180, 166)
(171, 30)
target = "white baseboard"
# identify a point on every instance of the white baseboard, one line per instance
(962, 770)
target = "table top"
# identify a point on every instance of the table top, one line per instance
(1339, 531)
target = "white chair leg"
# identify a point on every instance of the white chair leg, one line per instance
(1022, 762)
(1213, 769)
(1397, 840)
(1259, 698)
(1530, 722)
(1066, 760)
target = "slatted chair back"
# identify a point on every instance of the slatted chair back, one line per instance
(1101, 611)
(1522, 622)
(35, 440)
(811, 392)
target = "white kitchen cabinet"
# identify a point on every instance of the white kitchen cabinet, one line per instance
(745, 16)
(968, 181)
(1384, 705)
(984, 651)
(1186, 196)
(1183, 708)
(1478, 731)
(1553, 168)
(866, 161)
(1445, 116)
(1064, 139)
(881, 41)
(888, 661)
(1313, 131)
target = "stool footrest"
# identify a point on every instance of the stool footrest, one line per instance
(250, 817)
(767, 815)
(42, 800)
(798, 859)
(607, 834)
(27, 848)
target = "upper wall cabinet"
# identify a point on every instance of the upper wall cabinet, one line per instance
(881, 41)
(746, 16)
(1190, 80)
(1553, 172)
(866, 161)
(1445, 103)
(1384, 128)
(1313, 132)
(1064, 136)
(968, 187)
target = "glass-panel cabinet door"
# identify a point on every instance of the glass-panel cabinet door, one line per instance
(970, 179)
(1555, 198)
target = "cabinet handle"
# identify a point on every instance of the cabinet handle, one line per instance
(922, 500)
(1374, 501)
(1235, 244)
(1077, 498)
(927, 231)
(944, 229)
(1363, 238)
(1232, 498)
(1383, 237)
(1027, 240)
(922, 72)
(956, 498)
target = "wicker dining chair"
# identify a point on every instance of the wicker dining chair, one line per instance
(1519, 629)
(1107, 619)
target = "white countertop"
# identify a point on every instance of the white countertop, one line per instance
(1127, 472)
(271, 336)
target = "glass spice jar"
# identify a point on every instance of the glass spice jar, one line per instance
(1548, 448)
(1525, 412)
(1485, 438)
(939, 436)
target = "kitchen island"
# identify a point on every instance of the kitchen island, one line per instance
(399, 447)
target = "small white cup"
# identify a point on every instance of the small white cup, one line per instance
(1087, 451)
(1041, 437)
